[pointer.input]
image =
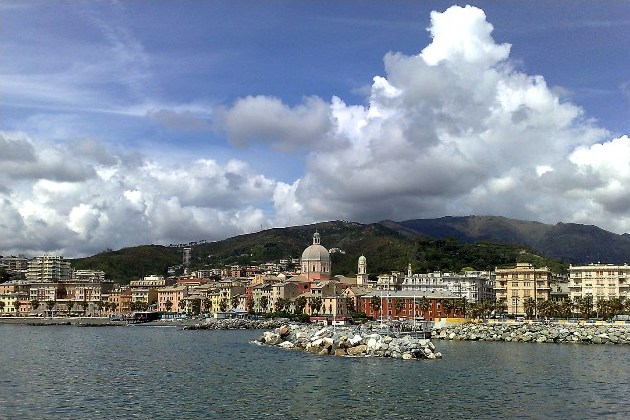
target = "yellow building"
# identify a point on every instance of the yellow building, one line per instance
(599, 281)
(516, 285)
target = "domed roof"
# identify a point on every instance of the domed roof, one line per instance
(362, 259)
(316, 253)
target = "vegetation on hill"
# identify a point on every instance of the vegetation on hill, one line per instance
(131, 263)
(570, 242)
(386, 250)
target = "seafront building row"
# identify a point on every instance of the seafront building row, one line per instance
(52, 287)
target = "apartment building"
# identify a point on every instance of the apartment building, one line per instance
(48, 268)
(517, 284)
(599, 281)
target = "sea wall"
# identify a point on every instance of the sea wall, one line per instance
(349, 341)
(536, 333)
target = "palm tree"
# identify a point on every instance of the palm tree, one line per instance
(182, 304)
(196, 306)
(529, 305)
(168, 305)
(84, 306)
(35, 304)
(448, 305)
(235, 301)
(375, 304)
(300, 304)
(264, 303)
(2, 306)
(282, 304)
(399, 304)
(316, 304)
(350, 305)
(424, 306)
(16, 305)
(207, 304)
(460, 306)
(223, 305)
(249, 304)
(69, 306)
(585, 306)
(50, 305)
(100, 304)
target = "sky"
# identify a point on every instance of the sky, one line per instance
(164, 122)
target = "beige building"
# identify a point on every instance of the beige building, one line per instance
(599, 281)
(173, 294)
(515, 285)
(48, 268)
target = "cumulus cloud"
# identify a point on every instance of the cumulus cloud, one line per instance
(267, 119)
(456, 129)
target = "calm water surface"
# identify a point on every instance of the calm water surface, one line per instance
(164, 373)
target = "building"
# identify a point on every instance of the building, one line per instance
(315, 261)
(48, 268)
(386, 305)
(599, 282)
(518, 284)
(362, 274)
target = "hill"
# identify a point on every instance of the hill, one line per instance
(569, 242)
(386, 250)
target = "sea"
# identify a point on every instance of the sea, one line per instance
(164, 372)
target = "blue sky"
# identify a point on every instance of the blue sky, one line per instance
(163, 122)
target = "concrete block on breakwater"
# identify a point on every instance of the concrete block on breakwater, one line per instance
(350, 341)
(536, 333)
(236, 324)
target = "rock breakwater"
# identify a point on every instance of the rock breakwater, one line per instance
(536, 333)
(237, 324)
(349, 341)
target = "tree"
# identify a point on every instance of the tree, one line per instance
(350, 305)
(399, 304)
(84, 306)
(375, 304)
(182, 304)
(16, 305)
(448, 305)
(196, 306)
(35, 304)
(316, 304)
(223, 305)
(100, 304)
(264, 303)
(168, 305)
(460, 306)
(585, 306)
(2, 306)
(300, 304)
(529, 305)
(424, 306)
(282, 305)
(50, 305)
(207, 304)
(235, 301)
(69, 306)
(249, 304)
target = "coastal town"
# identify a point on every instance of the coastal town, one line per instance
(50, 287)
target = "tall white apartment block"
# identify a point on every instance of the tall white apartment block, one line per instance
(48, 268)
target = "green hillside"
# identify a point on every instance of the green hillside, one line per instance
(386, 250)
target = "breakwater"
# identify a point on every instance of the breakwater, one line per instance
(237, 324)
(356, 341)
(536, 333)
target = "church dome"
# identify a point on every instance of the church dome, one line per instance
(316, 252)
(362, 259)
